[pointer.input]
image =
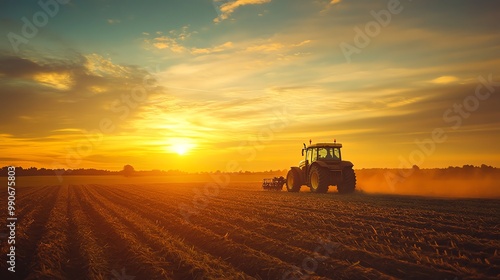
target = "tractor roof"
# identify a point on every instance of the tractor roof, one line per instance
(317, 145)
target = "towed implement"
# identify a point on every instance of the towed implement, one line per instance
(274, 184)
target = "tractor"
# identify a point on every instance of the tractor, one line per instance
(322, 167)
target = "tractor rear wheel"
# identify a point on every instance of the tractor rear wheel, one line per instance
(348, 181)
(320, 179)
(293, 181)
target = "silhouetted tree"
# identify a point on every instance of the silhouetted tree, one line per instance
(128, 170)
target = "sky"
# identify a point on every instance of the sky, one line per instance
(202, 85)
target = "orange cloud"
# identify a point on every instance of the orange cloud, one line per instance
(228, 8)
(330, 4)
(445, 80)
(274, 46)
(61, 81)
(160, 45)
(100, 66)
(219, 48)
(172, 41)
(165, 42)
(265, 47)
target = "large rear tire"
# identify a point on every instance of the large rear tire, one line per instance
(293, 181)
(348, 181)
(319, 179)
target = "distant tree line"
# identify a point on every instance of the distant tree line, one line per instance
(128, 170)
(443, 173)
(33, 171)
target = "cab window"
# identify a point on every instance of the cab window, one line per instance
(329, 153)
(322, 152)
(336, 153)
(314, 155)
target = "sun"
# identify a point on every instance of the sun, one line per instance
(180, 146)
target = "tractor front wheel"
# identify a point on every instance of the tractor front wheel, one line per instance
(293, 181)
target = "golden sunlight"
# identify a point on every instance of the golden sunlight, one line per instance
(180, 146)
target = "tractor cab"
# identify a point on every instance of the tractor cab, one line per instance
(328, 152)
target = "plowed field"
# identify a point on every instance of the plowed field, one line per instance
(195, 231)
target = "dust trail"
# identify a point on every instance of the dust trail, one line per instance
(456, 182)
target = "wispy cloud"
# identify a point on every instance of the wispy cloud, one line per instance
(329, 4)
(226, 8)
(61, 81)
(113, 21)
(219, 48)
(268, 47)
(100, 66)
(273, 46)
(165, 42)
(445, 80)
(174, 41)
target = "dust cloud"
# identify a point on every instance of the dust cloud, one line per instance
(467, 182)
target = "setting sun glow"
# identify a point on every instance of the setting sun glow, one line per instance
(180, 146)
